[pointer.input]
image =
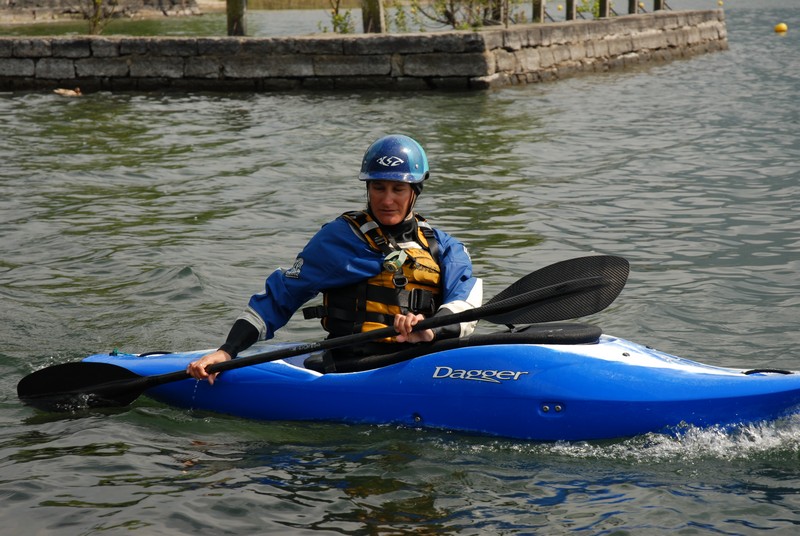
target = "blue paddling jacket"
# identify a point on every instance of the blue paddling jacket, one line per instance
(339, 256)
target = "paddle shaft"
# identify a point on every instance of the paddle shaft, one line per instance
(525, 300)
(564, 290)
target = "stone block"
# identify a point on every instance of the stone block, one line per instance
(534, 32)
(676, 38)
(630, 24)
(55, 68)
(101, 67)
(553, 34)
(710, 32)
(261, 47)
(581, 32)
(693, 36)
(577, 51)
(494, 39)
(472, 41)
(155, 67)
(695, 18)
(600, 47)
(269, 66)
(71, 47)
(618, 45)
(17, 67)
(398, 65)
(649, 40)
(453, 42)
(333, 44)
(606, 27)
(505, 61)
(568, 34)
(105, 48)
(447, 65)
(6, 47)
(514, 39)
(546, 58)
(133, 46)
(375, 44)
(32, 48)
(372, 65)
(561, 53)
(668, 20)
(171, 46)
(528, 59)
(219, 46)
(203, 67)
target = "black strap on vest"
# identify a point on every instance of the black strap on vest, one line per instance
(339, 321)
(359, 217)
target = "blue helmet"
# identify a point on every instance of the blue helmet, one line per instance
(395, 158)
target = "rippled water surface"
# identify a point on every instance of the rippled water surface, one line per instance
(144, 221)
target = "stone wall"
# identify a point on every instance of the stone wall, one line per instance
(448, 60)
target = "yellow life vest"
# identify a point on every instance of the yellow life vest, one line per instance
(413, 286)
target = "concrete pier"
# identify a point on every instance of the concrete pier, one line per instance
(464, 60)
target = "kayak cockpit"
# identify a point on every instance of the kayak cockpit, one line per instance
(551, 333)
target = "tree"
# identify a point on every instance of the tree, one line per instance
(97, 12)
(340, 19)
(235, 11)
(465, 14)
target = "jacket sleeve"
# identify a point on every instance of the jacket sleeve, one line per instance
(460, 289)
(334, 257)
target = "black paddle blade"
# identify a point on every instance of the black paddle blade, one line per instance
(590, 284)
(77, 386)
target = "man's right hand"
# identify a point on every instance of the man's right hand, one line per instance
(197, 369)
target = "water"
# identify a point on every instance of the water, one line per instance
(144, 221)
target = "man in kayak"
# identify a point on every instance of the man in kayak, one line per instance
(379, 267)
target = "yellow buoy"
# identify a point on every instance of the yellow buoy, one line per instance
(781, 27)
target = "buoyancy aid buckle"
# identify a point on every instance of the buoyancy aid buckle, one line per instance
(399, 279)
(421, 301)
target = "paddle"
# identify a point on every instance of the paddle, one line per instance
(561, 291)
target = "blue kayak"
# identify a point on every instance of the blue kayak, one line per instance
(601, 388)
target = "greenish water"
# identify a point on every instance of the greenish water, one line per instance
(143, 221)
